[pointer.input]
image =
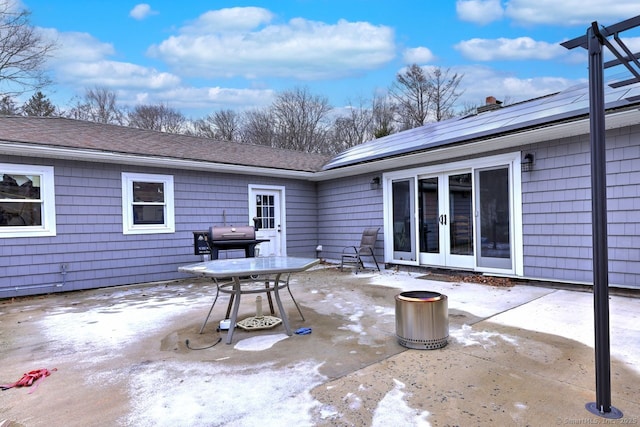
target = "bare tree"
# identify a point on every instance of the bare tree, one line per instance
(8, 106)
(384, 113)
(23, 52)
(368, 120)
(223, 124)
(99, 105)
(301, 120)
(422, 95)
(159, 117)
(355, 127)
(39, 105)
(411, 92)
(444, 93)
(258, 128)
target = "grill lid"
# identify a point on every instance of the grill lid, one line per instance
(244, 232)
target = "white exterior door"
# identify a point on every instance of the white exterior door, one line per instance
(266, 206)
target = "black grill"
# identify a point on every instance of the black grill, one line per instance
(227, 238)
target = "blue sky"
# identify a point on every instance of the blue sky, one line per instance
(200, 56)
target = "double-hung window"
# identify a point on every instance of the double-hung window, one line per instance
(147, 203)
(27, 201)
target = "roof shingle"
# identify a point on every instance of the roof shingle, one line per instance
(70, 133)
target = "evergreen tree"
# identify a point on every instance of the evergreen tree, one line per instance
(39, 105)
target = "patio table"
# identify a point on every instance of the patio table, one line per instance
(238, 269)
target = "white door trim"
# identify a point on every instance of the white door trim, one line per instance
(254, 189)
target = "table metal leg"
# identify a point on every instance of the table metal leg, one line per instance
(266, 285)
(211, 309)
(283, 315)
(236, 306)
(229, 306)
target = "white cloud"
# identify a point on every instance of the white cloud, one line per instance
(570, 12)
(115, 74)
(479, 82)
(229, 20)
(299, 49)
(72, 47)
(479, 11)
(418, 55)
(201, 99)
(509, 49)
(82, 60)
(141, 11)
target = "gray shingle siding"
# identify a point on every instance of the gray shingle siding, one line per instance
(89, 228)
(556, 205)
(345, 208)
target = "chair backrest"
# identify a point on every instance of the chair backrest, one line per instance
(369, 237)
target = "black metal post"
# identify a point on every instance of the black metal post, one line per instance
(602, 406)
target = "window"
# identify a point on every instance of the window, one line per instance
(27, 201)
(147, 204)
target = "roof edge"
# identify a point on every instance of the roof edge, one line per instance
(27, 149)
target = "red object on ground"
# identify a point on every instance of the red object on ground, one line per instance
(29, 379)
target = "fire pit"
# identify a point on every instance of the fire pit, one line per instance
(422, 320)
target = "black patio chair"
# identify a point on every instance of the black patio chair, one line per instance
(354, 254)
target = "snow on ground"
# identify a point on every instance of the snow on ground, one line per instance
(176, 393)
(564, 313)
(260, 343)
(169, 393)
(467, 336)
(110, 326)
(393, 410)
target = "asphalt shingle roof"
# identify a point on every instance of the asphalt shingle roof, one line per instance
(70, 133)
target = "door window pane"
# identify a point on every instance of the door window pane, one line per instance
(403, 231)
(495, 238)
(460, 214)
(265, 211)
(428, 211)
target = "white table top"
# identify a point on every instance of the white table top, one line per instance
(235, 267)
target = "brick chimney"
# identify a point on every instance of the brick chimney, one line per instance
(491, 103)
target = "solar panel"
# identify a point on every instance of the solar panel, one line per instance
(570, 103)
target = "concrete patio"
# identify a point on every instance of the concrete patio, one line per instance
(519, 355)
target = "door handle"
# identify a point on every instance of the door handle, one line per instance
(443, 219)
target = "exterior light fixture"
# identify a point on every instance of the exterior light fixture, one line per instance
(375, 183)
(527, 162)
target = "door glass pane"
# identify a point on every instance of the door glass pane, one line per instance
(495, 239)
(460, 214)
(403, 228)
(265, 211)
(429, 214)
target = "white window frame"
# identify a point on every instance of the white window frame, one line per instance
(47, 197)
(128, 227)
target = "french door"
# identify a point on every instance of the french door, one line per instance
(446, 220)
(459, 215)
